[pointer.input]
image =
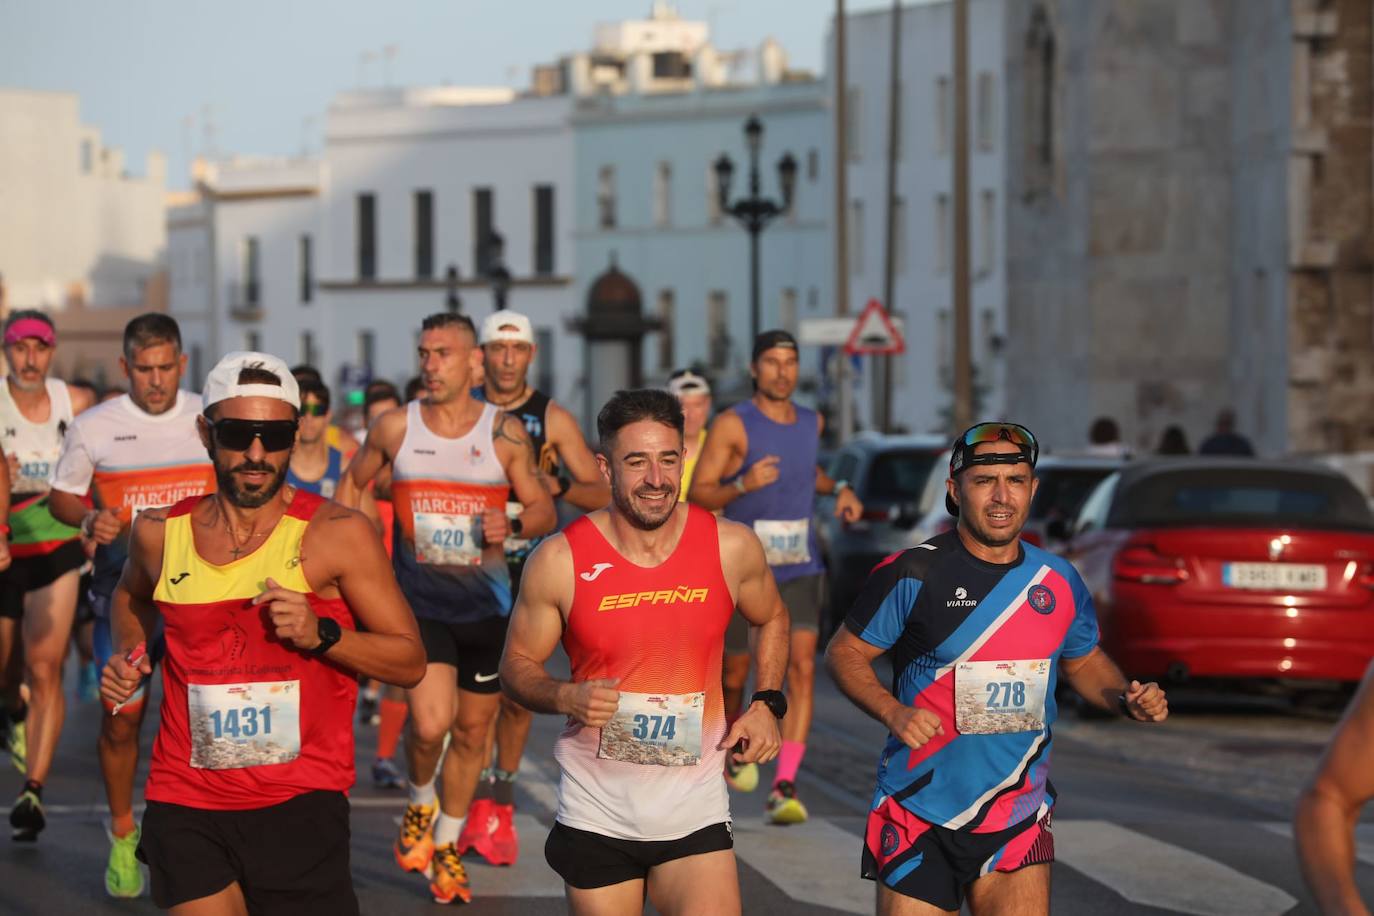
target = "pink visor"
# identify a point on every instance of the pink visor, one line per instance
(30, 327)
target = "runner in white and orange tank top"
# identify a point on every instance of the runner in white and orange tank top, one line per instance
(640, 595)
(455, 462)
(135, 452)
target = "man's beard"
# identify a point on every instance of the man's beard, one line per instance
(625, 505)
(250, 499)
(776, 397)
(28, 384)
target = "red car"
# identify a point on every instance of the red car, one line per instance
(1230, 568)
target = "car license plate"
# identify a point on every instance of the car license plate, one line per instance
(1292, 577)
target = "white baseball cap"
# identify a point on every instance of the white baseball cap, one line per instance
(506, 325)
(223, 381)
(688, 382)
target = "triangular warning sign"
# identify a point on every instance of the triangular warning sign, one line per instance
(874, 333)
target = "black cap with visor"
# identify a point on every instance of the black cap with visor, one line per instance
(963, 453)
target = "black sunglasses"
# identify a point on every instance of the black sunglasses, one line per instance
(238, 435)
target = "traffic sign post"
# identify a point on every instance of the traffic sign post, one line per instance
(874, 333)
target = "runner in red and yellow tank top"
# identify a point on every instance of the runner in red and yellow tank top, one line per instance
(273, 600)
(640, 595)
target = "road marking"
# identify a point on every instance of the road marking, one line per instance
(802, 862)
(1149, 872)
(539, 783)
(1364, 838)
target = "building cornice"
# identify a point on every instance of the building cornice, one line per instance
(438, 283)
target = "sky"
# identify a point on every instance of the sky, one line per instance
(254, 77)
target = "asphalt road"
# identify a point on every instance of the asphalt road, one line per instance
(1189, 817)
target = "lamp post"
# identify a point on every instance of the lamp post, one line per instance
(496, 270)
(451, 300)
(755, 212)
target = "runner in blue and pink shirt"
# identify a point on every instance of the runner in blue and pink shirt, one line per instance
(979, 626)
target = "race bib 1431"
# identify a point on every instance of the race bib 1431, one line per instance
(244, 725)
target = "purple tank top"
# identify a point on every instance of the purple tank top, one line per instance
(781, 513)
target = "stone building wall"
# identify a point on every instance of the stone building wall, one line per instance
(1330, 295)
(1119, 300)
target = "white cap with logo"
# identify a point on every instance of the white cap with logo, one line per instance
(223, 381)
(506, 325)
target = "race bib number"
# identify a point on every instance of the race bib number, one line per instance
(997, 698)
(244, 725)
(35, 474)
(655, 729)
(515, 547)
(785, 543)
(447, 540)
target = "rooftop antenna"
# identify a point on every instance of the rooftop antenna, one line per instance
(365, 60)
(307, 131)
(388, 58)
(209, 146)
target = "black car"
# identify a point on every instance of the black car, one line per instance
(889, 475)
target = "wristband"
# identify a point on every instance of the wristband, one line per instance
(739, 484)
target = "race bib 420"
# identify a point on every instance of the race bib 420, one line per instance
(447, 540)
(244, 725)
(657, 729)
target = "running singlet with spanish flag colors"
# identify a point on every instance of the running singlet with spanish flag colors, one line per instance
(440, 488)
(653, 772)
(247, 721)
(132, 460)
(35, 447)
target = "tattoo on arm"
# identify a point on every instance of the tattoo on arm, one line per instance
(512, 430)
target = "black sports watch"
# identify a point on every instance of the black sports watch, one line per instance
(773, 699)
(564, 485)
(330, 633)
(516, 527)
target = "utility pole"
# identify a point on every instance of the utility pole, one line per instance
(846, 414)
(882, 388)
(963, 361)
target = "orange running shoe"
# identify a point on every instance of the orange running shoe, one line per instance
(450, 881)
(504, 842)
(476, 835)
(415, 845)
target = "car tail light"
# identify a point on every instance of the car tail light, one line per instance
(1142, 563)
(1030, 537)
(1365, 579)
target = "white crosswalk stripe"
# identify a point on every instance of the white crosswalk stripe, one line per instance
(1364, 838)
(1150, 872)
(813, 863)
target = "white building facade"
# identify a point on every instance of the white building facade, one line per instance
(922, 378)
(241, 262)
(77, 226)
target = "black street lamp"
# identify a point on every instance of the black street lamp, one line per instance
(496, 269)
(451, 300)
(754, 212)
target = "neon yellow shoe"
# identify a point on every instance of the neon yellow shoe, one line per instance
(124, 873)
(784, 807)
(19, 747)
(742, 777)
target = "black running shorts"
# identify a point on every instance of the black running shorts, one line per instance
(29, 574)
(291, 858)
(473, 648)
(919, 859)
(589, 860)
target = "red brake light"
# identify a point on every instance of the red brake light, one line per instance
(1365, 578)
(1142, 563)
